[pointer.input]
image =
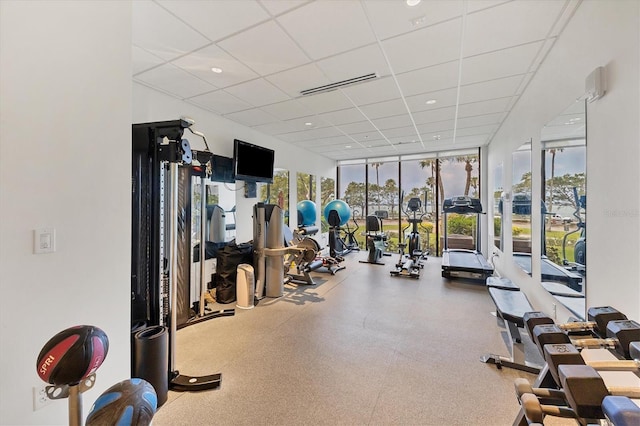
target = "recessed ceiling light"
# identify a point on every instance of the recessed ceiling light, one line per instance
(431, 102)
(436, 137)
(347, 146)
(575, 119)
(216, 70)
(412, 2)
(308, 123)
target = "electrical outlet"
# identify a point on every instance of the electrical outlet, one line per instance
(40, 397)
(553, 306)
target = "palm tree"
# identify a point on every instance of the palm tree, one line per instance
(468, 167)
(377, 167)
(553, 152)
(432, 163)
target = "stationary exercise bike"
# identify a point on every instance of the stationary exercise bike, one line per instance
(376, 241)
(410, 264)
(579, 263)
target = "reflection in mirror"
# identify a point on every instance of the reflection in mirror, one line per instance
(564, 203)
(521, 200)
(327, 193)
(278, 192)
(498, 189)
(221, 211)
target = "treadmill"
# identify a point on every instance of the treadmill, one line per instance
(550, 271)
(462, 263)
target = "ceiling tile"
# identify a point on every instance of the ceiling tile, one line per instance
(384, 109)
(324, 132)
(476, 5)
(436, 127)
(159, 32)
(433, 115)
(390, 18)
(251, 117)
(335, 140)
(343, 116)
(372, 91)
(509, 24)
(276, 7)
(322, 30)
(478, 130)
(200, 62)
(483, 107)
(362, 61)
(480, 120)
(503, 63)
(363, 126)
(392, 122)
(401, 132)
(220, 102)
(258, 92)
(443, 98)
(293, 81)
(288, 109)
(498, 88)
(174, 80)
(277, 128)
(141, 60)
(425, 47)
(368, 137)
(325, 102)
(437, 77)
(266, 49)
(217, 19)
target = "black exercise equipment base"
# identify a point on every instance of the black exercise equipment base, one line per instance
(206, 317)
(182, 383)
(501, 361)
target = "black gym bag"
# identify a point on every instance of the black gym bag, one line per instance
(227, 260)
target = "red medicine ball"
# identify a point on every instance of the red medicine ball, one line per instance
(73, 354)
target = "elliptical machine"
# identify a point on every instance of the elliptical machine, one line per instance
(579, 263)
(410, 264)
(337, 214)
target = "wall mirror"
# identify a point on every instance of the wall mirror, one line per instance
(498, 189)
(563, 143)
(521, 199)
(221, 210)
(278, 192)
(521, 206)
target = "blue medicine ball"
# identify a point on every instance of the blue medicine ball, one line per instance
(128, 403)
(341, 207)
(307, 209)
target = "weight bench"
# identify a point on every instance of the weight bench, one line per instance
(511, 305)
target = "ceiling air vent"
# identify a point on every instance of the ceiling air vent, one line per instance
(338, 85)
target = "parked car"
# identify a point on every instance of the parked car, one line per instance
(556, 218)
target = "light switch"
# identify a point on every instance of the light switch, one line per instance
(44, 240)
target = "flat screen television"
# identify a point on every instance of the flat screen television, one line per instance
(222, 169)
(252, 163)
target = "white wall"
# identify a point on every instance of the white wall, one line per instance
(151, 105)
(600, 34)
(65, 137)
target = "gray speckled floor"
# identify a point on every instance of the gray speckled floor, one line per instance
(359, 348)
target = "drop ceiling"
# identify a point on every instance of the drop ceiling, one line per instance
(474, 58)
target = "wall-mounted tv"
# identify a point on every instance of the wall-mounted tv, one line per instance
(252, 163)
(222, 169)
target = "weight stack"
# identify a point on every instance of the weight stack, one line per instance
(151, 361)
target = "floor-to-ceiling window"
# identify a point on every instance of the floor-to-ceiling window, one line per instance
(383, 190)
(458, 174)
(352, 190)
(374, 186)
